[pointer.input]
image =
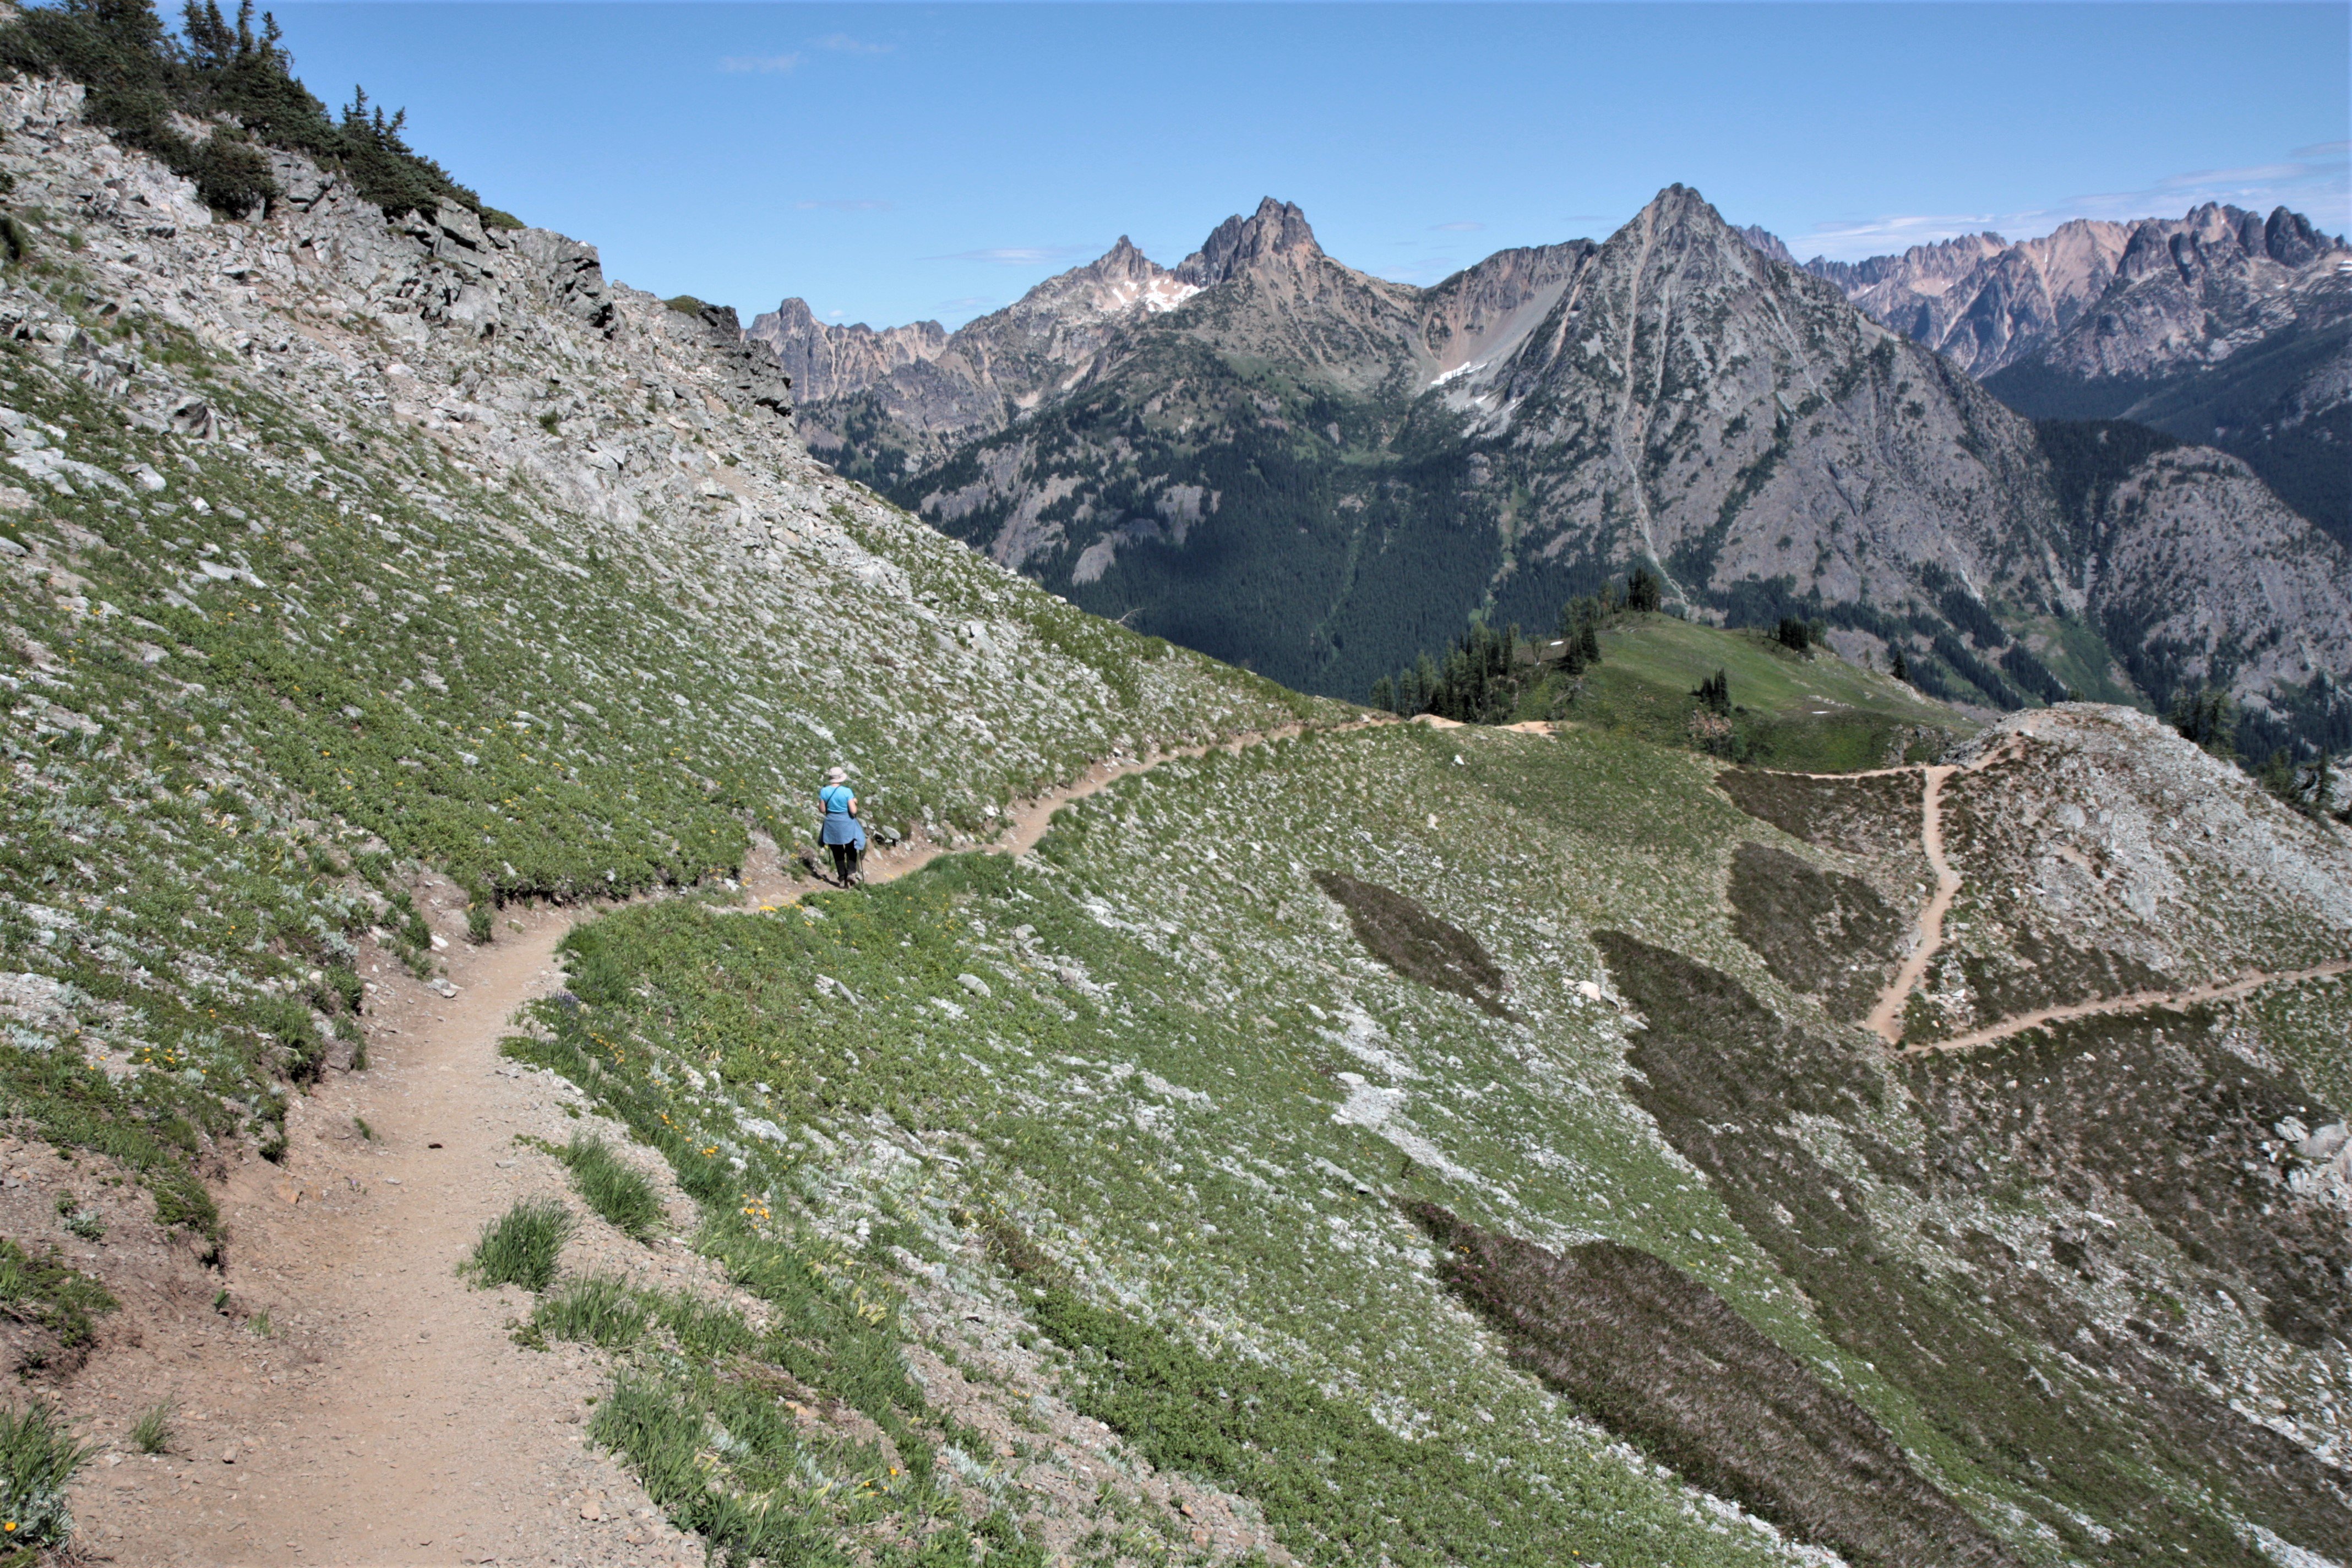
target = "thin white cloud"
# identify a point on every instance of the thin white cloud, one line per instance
(1017, 255)
(2255, 174)
(758, 65)
(2335, 152)
(1463, 226)
(842, 43)
(868, 204)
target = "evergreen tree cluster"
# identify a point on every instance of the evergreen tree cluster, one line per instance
(1478, 682)
(2207, 717)
(137, 76)
(1483, 675)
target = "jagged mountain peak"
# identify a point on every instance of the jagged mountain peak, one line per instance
(1277, 232)
(1770, 244)
(1113, 283)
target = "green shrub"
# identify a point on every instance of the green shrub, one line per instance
(138, 76)
(47, 1292)
(521, 1245)
(38, 1459)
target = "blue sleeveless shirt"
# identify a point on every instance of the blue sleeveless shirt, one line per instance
(840, 827)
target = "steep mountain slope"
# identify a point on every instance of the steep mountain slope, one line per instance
(1980, 300)
(2221, 327)
(1299, 469)
(1373, 1144)
(2226, 331)
(334, 545)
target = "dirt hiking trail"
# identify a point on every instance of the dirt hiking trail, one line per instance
(1885, 1017)
(351, 1400)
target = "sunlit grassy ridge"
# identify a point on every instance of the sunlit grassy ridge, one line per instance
(1152, 1074)
(1809, 710)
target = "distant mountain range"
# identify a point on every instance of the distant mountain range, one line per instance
(2222, 327)
(1269, 455)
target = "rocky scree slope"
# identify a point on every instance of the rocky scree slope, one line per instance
(333, 547)
(1457, 1146)
(1320, 474)
(2222, 327)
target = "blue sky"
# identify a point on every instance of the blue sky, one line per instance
(895, 161)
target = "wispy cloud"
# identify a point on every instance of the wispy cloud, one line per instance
(1018, 255)
(842, 43)
(758, 65)
(2252, 174)
(1462, 227)
(868, 204)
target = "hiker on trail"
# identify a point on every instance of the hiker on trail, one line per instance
(844, 833)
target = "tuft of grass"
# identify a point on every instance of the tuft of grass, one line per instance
(152, 1434)
(521, 1245)
(360, 1125)
(598, 1309)
(37, 1460)
(611, 1186)
(45, 1292)
(260, 1325)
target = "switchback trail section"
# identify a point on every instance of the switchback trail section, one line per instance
(1885, 1017)
(348, 1398)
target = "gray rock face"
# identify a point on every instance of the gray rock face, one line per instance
(2157, 291)
(2222, 327)
(2200, 290)
(828, 361)
(1492, 305)
(1277, 232)
(1980, 300)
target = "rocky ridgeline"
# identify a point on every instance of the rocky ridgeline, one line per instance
(1549, 417)
(2222, 327)
(2095, 297)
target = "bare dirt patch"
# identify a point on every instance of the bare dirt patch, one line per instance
(351, 1399)
(1660, 1359)
(1416, 943)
